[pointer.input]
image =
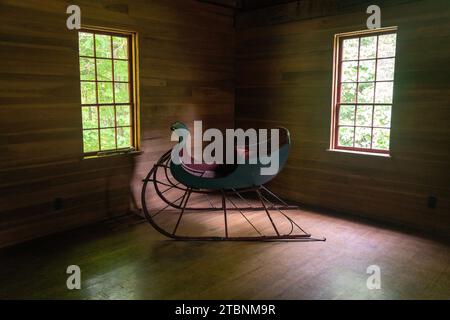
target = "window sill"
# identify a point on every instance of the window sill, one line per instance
(382, 155)
(114, 154)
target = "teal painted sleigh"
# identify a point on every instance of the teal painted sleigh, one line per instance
(176, 183)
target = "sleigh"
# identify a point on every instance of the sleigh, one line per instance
(240, 189)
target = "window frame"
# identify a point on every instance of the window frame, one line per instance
(133, 89)
(336, 90)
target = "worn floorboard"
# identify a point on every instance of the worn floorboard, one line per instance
(127, 259)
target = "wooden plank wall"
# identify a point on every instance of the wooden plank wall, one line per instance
(284, 77)
(186, 73)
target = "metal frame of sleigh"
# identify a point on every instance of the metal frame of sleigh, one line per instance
(233, 183)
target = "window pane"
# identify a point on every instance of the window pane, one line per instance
(107, 116)
(367, 70)
(90, 117)
(345, 136)
(120, 70)
(86, 44)
(363, 137)
(384, 92)
(350, 49)
(120, 47)
(90, 140)
(348, 92)
(365, 92)
(108, 139)
(364, 115)
(382, 116)
(385, 69)
(122, 95)
(123, 115)
(103, 46)
(368, 47)
(105, 92)
(104, 70)
(380, 139)
(123, 137)
(386, 45)
(349, 71)
(346, 115)
(88, 95)
(87, 69)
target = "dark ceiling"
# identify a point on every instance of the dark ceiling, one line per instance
(246, 4)
(256, 4)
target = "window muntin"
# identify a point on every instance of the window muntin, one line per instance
(363, 93)
(107, 71)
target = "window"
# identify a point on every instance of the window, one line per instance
(363, 90)
(108, 91)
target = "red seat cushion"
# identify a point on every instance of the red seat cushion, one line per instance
(209, 170)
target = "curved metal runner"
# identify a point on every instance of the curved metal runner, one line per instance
(183, 195)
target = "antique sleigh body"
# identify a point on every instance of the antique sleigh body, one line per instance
(232, 183)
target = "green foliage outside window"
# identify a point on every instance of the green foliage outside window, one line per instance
(105, 91)
(366, 91)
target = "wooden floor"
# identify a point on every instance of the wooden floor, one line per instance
(127, 259)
